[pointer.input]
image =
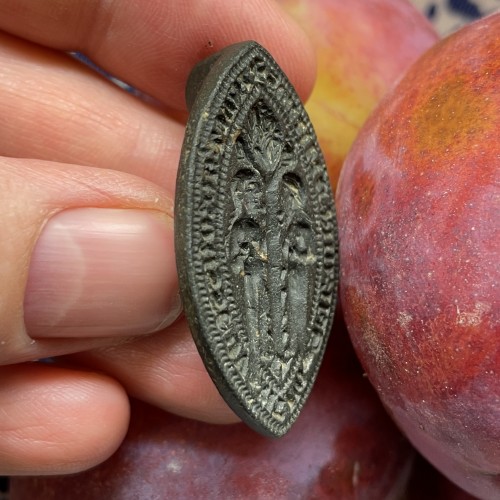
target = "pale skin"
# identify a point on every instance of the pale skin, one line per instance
(87, 176)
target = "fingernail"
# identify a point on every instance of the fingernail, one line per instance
(102, 272)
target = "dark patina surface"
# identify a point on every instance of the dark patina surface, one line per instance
(256, 236)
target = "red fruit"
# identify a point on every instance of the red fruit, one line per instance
(426, 483)
(419, 229)
(362, 48)
(343, 446)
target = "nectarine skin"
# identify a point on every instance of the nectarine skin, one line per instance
(362, 48)
(419, 230)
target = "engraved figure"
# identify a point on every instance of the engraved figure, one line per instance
(247, 255)
(299, 251)
(300, 261)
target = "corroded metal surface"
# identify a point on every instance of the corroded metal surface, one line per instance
(256, 236)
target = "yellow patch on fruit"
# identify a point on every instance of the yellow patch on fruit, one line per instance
(337, 113)
(452, 120)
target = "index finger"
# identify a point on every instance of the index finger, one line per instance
(154, 45)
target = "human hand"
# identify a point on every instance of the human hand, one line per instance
(87, 178)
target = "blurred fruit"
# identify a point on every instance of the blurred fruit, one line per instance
(419, 229)
(343, 446)
(362, 48)
(426, 483)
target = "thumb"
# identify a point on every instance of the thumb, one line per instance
(86, 255)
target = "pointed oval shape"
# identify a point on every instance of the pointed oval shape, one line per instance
(256, 236)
